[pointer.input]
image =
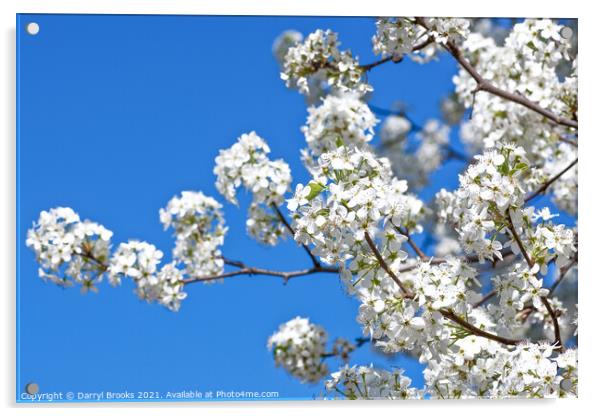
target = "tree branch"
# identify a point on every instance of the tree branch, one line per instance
(550, 181)
(544, 299)
(446, 313)
(563, 271)
(383, 263)
(417, 47)
(412, 244)
(256, 271)
(485, 85)
(243, 269)
(477, 331)
(282, 218)
(359, 342)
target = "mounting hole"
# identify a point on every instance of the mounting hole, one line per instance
(566, 384)
(32, 388)
(32, 28)
(566, 32)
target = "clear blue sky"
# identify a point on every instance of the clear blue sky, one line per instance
(117, 114)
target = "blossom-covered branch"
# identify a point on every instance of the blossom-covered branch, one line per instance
(484, 85)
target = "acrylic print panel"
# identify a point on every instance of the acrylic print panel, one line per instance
(292, 208)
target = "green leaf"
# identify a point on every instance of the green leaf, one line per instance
(316, 189)
(339, 141)
(532, 46)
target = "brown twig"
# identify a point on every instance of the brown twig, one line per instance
(412, 244)
(544, 299)
(359, 342)
(477, 331)
(383, 263)
(288, 226)
(485, 298)
(420, 46)
(256, 271)
(563, 271)
(485, 85)
(550, 181)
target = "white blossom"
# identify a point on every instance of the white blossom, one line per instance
(338, 120)
(298, 346)
(198, 225)
(246, 164)
(361, 382)
(69, 250)
(319, 56)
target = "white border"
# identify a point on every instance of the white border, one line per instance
(590, 199)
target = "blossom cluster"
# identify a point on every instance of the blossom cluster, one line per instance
(318, 56)
(361, 382)
(530, 371)
(407, 323)
(246, 164)
(198, 225)
(397, 37)
(414, 165)
(487, 190)
(355, 193)
(298, 346)
(527, 63)
(339, 119)
(69, 251)
(139, 261)
(283, 42)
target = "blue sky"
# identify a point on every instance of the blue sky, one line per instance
(117, 114)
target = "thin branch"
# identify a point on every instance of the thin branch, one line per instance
(383, 263)
(485, 298)
(477, 331)
(88, 255)
(552, 313)
(563, 271)
(419, 46)
(243, 269)
(485, 85)
(550, 181)
(283, 219)
(519, 242)
(359, 342)
(368, 67)
(412, 244)
(544, 299)
(256, 271)
(568, 141)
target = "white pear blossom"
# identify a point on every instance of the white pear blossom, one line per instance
(527, 64)
(397, 37)
(246, 164)
(319, 56)
(361, 382)
(69, 251)
(355, 193)
(198, 225)
(298, 346)
(488, 188)
(339, 119)
(283, 42)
